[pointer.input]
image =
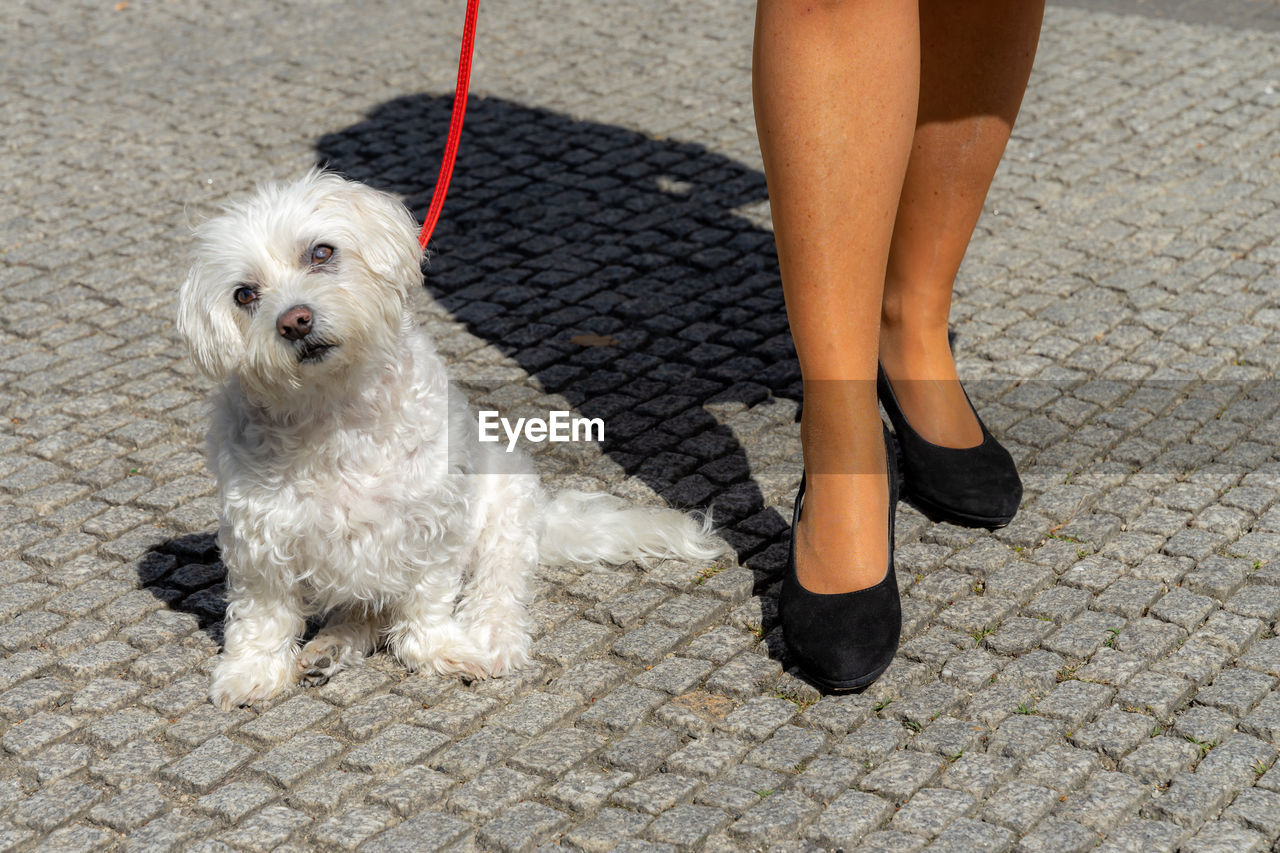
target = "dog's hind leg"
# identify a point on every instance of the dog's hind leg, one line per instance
(342, 643)
(495, 601)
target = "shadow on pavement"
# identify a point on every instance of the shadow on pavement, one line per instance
(187, 574)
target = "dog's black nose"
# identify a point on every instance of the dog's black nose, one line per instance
(295, 323)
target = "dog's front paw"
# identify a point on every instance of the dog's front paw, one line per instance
(248, 679)
(446, 649)
(506, 647)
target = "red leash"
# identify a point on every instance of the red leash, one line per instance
(455, 123)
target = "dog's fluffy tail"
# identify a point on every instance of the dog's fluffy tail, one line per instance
(587, 529)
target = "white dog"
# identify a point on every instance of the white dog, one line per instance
(351, 478)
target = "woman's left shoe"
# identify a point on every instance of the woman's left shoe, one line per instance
(971, 486)
(844, 641)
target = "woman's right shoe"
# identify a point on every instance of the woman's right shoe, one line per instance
(844, 641)
(971, 486)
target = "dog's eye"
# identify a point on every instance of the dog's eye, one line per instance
(245, 296)
(322, 253)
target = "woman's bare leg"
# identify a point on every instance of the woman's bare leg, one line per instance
(976, 57)
(836, 87)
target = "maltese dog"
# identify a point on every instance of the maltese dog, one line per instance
(351, 478)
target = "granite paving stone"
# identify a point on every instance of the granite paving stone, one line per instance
(409, 790)
(1189, 801)
(208, 764)
(363, 720)
(286, 720)
(931, 810)
(849, 818)
(1149, 638)
(675, 675)
(322, 794)
(37, 731)
(583, 790)
(641, 750)
(297, 758)
(827, 777)
(58, 761)
(655, 794)
(995, 703)
(1237, 761)
(1107, 798)
(1231, 631)
(733, 799)
(1257, 809)
(268, 829)
(132, 763)
(622, 708)
(168, 831)
(1060, 767)
(775, 818)
(604, 831)
(1196, 660)
(202, 722)
(965, 834)
(399, 746)
(787, 749)
(1154, 693)
(1141, 835)
(347, 830)
(745, 676)
(1060, 836)
(707, 757)
(758, 718)
(233, 801)
(893, 841)
(491, 792)
(459, 713)
(79, 836)
(901, 775)
(685, 826)
(1115, 733)
(873, 741)
(1160, 759)
(1222, 836)
(1203, 726)
(978, 774)
(1020, 806)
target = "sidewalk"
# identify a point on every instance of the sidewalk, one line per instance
(1101, 673)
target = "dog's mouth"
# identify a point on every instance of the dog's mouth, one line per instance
(310, 352)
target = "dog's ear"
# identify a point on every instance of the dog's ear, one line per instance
(386, 236)
(213, 338)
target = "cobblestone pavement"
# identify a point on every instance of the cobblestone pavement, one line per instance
(1100, 673)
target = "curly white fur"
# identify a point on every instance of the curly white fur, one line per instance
(350, 474)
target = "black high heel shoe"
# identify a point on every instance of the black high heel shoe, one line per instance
(846, 640)
(970, 486)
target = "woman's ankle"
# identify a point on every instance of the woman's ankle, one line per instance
(842, 537)
(842, 542)
(921, 370)
(916, 349)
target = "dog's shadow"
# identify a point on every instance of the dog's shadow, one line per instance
(619, 272)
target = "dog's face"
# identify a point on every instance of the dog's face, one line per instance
(299, 283)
